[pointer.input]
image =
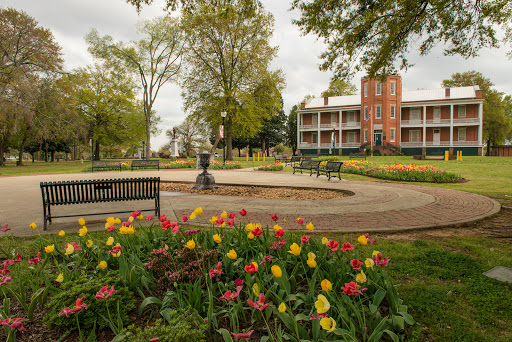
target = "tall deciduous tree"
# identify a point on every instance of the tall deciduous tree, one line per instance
(373, 35)
(497, 125)
(191, 133)
(227, 60)
(156, 59)
(291, 129)
(339, 88)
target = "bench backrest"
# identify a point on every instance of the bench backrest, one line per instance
(100, 190)
(333, 165)
(106, 163)
(295, 158)
(151, 162)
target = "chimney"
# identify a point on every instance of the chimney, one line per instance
(478, 91)
(446, 92)
(303, 105)
(326, 101)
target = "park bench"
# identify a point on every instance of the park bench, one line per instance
(309, 156)
(106, 164)
(146, 164)
(357, 155)
(306, 164)
(281, 159)
(329, 168)
(294, 160)
(98, 191)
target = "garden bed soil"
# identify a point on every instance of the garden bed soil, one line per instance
(254, 191)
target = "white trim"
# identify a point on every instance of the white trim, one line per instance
(391, 90)
(365, 89)
(379, 107)
(461, 129)
(451, 125)
(392, 134)
(424, 125)
(392, 113)
(378, 88)
(480, 128)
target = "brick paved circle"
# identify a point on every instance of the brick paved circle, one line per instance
(375, 206)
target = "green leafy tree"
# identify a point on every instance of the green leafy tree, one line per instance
(272, 131)
(372, 35)
(155, 59)
(291, 129)
(497, 125)
(339, 88)
(227, 60)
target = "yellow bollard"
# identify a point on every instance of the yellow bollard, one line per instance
(263, 156)
(253, 156)
(247, 157)
(258, 156)
(460, 156)
(446, 155)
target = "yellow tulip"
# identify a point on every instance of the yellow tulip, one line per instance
(324, 240)
(295, 249)
(311, 263)
(276, 271)
(277, 227)
(49, 248)
(33, 225)
(256, 289)
(81, 221)
(192, 216)
(60, 278)
(89, 243)
(110, 241)
(284, 220)
(361, 277)
(116, 255)
(326, 285)
(198, 211)
(166, 247)
(117, 221)
(130, 219)
(328, 323)
(82, 231)
(224, 215)
(191, 244)
(362, 240)
(375, 253)
(250, 236)
(282, 308)
(310, 226)
(103, 264)
(217, 238)
(111, 220)
(322, 304)
(70, 249)
(213, 219)
(62, 233)
(249, 227)
(140, 217)
(311, 256)
(232, 254)
(369, 263)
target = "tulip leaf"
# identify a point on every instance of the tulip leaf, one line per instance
(391, 334)
(148, 301)
(378, 297)
(225, 334)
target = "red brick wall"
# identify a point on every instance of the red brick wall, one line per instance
(325, 118)
(306, 136)
(503, 151)
(306, 119)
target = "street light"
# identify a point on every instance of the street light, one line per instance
(223, 114)
(333, 138)
(143, 150)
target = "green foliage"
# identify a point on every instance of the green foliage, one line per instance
(277, 166)
(71, 291)
(373, 35)
(339, 88)
(291, 129)
(186, 327)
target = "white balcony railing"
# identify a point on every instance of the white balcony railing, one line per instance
(411, 123)
(351, 124)
(440, 122)
(327, 145)
(313, 126)
(440, 143)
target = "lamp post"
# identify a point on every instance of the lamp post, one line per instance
(223, 114)
(143, 150)
(333, 138)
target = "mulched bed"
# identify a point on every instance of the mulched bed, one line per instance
(259, 191)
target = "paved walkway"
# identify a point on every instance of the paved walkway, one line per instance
(375, 207)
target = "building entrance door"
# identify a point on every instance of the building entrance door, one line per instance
(437, 137)
(378, 137)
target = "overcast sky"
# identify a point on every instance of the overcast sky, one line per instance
(71, 20)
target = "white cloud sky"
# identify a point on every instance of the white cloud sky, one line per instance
(71, 20)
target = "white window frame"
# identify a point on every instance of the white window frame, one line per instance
(378, 112)
(392, 111)
(314, 122)
(313, 135)
(392, 135)
(461, 129)
(351, 137)
(366, 113)
(365, 89)
(365, 135)
(415, 110)
(411, 135)
(334, 116)
(462, 111)
(378, 88)
(393, 88)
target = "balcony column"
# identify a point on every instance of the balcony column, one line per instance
(481, 124)
(318, 130)
(299, 121)
(451, 125)
(424, 126)
(339, 126)
(399, 130)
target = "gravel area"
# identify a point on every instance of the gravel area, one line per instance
(259, 191)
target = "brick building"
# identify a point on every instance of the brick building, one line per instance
(413, 122)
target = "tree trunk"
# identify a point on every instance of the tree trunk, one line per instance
(46, 152)
(263, 146)
(229, 141)
(148, 134)
(53, 156)
(250, 150)
(214, 147)
(2, 153)
(239, 152)
(97, 151)
(33, 154)
(22, 148)
(489, 147)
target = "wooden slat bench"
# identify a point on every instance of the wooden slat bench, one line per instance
(106, 165)
(98, 191)
(329, 168)
(146, 164)
(357, 155)
(306, 164)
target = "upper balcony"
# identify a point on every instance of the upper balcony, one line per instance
(327, 127)
(440, 122)
(438, 143)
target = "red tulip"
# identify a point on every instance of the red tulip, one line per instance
(243, 335)
(259, 305)
(274, 217)
(352, 289)
(243, 212)
(279, 233)
(356, 264)
(304, 239)
(214, 272)
(78, 307)
(347, 246)
(104, 293)
(253, 267)
(333, 245)
(257, 231)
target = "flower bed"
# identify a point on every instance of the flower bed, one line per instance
(232, 281)
(179, 164)
(228, 165)
(277, 166)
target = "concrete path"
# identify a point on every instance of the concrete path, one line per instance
(375, 207)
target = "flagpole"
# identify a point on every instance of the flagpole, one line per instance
(371, 126)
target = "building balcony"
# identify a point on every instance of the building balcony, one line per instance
(351, 125)
(327, 145)
(440, 122)
(439, 143)
(328, 127)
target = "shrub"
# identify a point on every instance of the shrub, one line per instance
(187, 327)
(277, 166)
(228, 165)
(73, 290)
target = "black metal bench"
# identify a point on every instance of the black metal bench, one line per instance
(294, 160)
(357, 155)
(97, 191)
(106, 165)
(330, 167)
(281, 159)
(146, 164)
(306, 164)
(309, 156)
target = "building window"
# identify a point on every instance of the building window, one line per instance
(314, 138)
(392, 111)
(378, 89)
(393, 88)
(351, 137)
(351, 116)
(377, 112)
(462, 111)
(415, 135)
(314, 119)
(333, 118)
(415, 114)
(392, 135)
(462, 134)
(365, 87)
(366, 113)
(365, 135)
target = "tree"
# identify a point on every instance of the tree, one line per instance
(192, 135)
(339, 88)
(227, 59)
(291, 129)
(497, 126)
(272, 131)
(372, 35)
(155, 59)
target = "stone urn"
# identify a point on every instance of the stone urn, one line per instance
(205, 180)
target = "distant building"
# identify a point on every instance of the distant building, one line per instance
(389, 120)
